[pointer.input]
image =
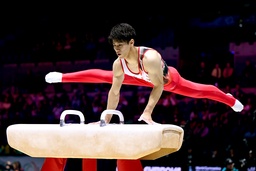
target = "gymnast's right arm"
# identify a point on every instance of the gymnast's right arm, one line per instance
(114, 92)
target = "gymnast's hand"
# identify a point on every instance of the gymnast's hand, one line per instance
(147, 119)
(53, 77)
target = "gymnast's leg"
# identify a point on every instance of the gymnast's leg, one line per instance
(91, 76)
(88, 76)
(54, 164)
(188, 88)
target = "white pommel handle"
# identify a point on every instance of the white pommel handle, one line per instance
(73, 112)
(110, 112)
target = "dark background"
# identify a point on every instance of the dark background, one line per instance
(198, 28)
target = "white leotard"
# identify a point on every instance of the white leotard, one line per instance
(142, 74)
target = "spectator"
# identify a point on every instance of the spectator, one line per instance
(228, 75)
(216, 75)
(229, 165)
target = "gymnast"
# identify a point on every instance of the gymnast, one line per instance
(138, 66)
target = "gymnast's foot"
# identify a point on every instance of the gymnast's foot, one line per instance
(238, 106)
(53, 77)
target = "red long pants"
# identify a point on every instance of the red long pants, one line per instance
(58, 164)
(178, 85)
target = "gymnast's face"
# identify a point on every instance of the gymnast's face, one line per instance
(122, 49)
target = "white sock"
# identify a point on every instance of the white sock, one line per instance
(53, 77)
(238, 106)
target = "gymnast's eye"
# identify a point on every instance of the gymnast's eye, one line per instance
(118, 46)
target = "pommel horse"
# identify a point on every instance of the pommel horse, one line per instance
(100, 141)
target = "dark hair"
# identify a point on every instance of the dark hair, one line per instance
(122, 32)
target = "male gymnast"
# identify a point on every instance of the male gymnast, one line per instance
(138, 66)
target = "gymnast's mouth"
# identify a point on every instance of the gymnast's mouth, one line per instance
(119, 55)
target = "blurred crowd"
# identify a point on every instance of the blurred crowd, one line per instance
(213, 131)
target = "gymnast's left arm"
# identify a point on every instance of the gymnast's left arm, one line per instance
(152, 65)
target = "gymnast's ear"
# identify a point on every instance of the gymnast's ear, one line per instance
(132, 42)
